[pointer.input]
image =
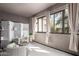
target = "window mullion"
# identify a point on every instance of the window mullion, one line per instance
(54, 24)
(38, 25)
(63, 21)
(42, 24)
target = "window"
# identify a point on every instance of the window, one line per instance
(44, 24)
(36, 25)
(66, 25)
(41, 25)
(59, 22)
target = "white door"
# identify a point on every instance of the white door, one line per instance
(24, 30)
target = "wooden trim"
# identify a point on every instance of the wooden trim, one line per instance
(58, 33)
(56, 12)
(38, 25)
(40, 32)
(41, 17)
(0, 34)
(63, 20)
(42, 24)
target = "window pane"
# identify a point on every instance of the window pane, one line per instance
(44, 24)
(36, 25)
(52, 23)
(58, 22)
(66, 26)
(40, 25)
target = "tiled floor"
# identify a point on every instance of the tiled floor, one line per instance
(36, 49)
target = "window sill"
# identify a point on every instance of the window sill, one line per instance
(59, 33)
(55, 33)
(62, 33)
(40, 32)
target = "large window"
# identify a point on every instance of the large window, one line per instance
(59, 22)
(66, 25)
(41, 24)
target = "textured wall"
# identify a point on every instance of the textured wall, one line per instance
(60, 41)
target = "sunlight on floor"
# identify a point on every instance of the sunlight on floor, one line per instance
(35, 49)
(38, 49)
(43, 51)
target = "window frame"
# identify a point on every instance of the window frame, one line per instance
(63, 23)
(42, 25)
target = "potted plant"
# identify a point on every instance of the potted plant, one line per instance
(30, 36)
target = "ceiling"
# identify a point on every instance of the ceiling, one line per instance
(24, 9)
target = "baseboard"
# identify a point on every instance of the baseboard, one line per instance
(57, 48)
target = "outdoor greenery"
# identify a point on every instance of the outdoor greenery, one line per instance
(30, 33)
(62, 22)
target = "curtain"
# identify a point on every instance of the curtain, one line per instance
(73, 23)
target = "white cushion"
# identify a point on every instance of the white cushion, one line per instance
(12, 45)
